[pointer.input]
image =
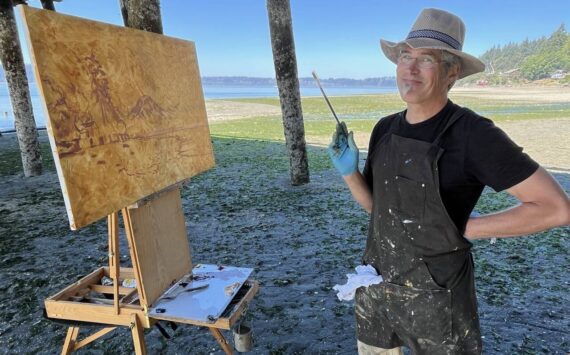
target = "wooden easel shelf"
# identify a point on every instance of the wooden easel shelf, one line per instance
(77, 302)
(87, 301)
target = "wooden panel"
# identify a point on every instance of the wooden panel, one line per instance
(161, 244)
(125, 108)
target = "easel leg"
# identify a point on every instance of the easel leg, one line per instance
(138, 336)
(114, 263)
(70, 338)
(222, 341)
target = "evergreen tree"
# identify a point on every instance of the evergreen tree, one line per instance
(536, 59)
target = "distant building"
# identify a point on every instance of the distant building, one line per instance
(510, 72)
(559, 74)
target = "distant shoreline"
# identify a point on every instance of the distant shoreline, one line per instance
(211, 92)
(219, 107)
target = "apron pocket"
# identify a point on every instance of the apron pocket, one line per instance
(431, 282)
(410, 199)
(425, 314)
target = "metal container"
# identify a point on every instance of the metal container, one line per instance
(243, 337)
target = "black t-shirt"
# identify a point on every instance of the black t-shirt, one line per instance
(477, 153)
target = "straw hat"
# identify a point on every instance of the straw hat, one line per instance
(437, 29)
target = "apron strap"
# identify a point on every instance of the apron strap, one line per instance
(460, 112)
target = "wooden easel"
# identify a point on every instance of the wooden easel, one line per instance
(77, 303)
(124, 125)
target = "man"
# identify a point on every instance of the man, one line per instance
(426, 168)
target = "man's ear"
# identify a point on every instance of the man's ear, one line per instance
(453, 74)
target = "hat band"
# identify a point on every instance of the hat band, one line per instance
(440, 36)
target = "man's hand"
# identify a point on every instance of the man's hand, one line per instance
(343, 151)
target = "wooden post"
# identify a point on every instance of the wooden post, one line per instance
(124, 12)
(48, 5)
(283, 45)
(15, 71)
(142, 15)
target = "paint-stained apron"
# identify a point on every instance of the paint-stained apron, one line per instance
(427, 300)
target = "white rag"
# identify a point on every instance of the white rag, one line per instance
(365, 275)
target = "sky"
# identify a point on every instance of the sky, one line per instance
(337, 38)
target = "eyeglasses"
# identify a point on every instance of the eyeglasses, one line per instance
(424, 61)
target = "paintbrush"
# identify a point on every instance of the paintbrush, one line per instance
(329, 103)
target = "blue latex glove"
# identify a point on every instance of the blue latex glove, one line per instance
(343, 151)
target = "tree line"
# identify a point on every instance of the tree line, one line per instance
(529, 60)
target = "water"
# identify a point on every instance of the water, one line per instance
(210, 92)
(239, 92)
(6, 114)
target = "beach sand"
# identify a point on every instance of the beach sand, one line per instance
(536, 94)
(222, 110)
(545, 140)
